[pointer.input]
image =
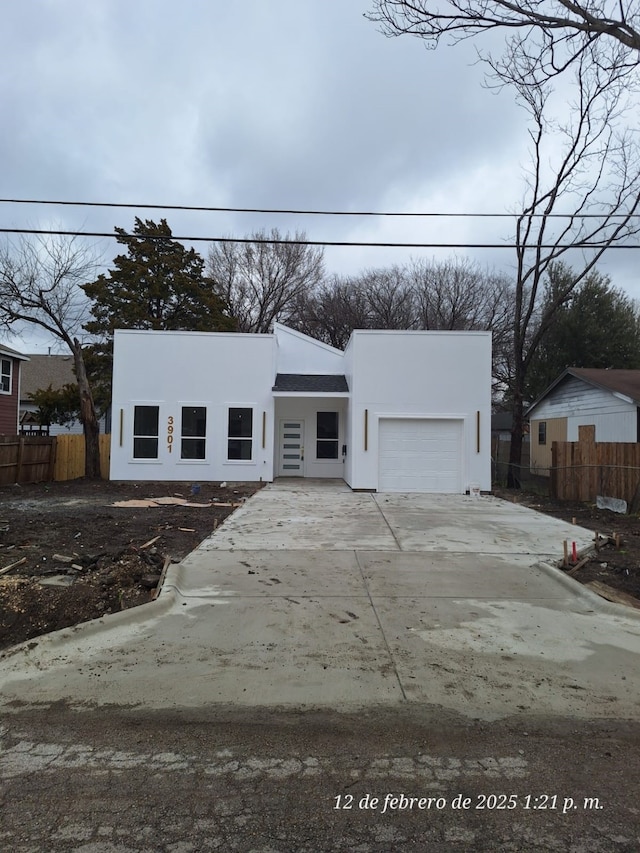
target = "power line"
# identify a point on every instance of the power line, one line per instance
(295, 212)
(285, 241)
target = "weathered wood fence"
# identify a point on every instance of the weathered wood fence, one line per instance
(26, 459)
(36, 459)
(581, 470)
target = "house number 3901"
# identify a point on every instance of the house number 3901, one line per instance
(170, 433)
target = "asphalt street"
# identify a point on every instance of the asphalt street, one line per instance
(279, 781)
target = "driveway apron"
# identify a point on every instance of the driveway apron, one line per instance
(313, 595)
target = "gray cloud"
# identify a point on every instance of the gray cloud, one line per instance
(291, 103)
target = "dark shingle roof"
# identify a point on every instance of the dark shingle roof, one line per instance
(311, 383)
(625, 382)
(41, 371)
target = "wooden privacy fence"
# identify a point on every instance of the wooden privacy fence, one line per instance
(70, 457)
(34, 459)
(581, 470)
(26, 459)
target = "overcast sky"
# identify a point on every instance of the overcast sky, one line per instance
(261, 103)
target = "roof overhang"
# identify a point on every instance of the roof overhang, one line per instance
(311, 384)
(304, 395)
(7, 351)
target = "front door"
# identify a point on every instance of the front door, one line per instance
(291, 444)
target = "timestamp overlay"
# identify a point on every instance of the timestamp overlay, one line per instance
(390, 802)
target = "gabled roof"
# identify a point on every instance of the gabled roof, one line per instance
(43, 371)
(5, 350)
(626, 382)
(311, 383)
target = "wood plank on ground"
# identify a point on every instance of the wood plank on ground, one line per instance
(615, 595)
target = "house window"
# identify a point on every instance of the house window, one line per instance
(194, 430)
(145, 432)
(327, 435)
(542, 432)
(5, 376)
(240, 434)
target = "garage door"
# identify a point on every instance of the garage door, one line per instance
(420, 455)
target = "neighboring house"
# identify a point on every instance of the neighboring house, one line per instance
(396, 411)
(608, 400)
(501, 426)
(42, 372)
(11, 363)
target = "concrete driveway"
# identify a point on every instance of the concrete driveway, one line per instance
(312, 595)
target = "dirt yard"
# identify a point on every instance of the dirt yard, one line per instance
(68, 555)
(616, 566)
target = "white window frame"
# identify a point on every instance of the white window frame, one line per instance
(8, 375)
(335, 440)
(145, 460)
(251, 438)
(183, 460)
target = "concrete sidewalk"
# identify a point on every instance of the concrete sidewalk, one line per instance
(312, 595)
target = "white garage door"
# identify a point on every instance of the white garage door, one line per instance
(420, 455)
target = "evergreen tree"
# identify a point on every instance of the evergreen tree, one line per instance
(598, 326)
(158, 284)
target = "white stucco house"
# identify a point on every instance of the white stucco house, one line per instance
(396, 411)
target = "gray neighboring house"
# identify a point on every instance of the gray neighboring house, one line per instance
(44, 371)
(501, 426)
(608, 400)
(40, 372)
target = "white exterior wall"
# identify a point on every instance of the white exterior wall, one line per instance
(175, 369)
(298, 353)
(440, 375)
(613, 415)
(306, 409)
(347, 366)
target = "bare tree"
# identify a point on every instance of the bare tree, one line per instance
(458, 294)
(40, 286)
(454, 294)
(582, 166)
(583, 181)
(376, 299)
(390, 298)
(333, 311)
(263, 280)
(552, 33)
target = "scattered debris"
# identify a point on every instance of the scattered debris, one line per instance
(105, 552)
(612, 504)
(13, 566)
(583, 562)
(615, 595)
(166, 501)
(56, 580)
